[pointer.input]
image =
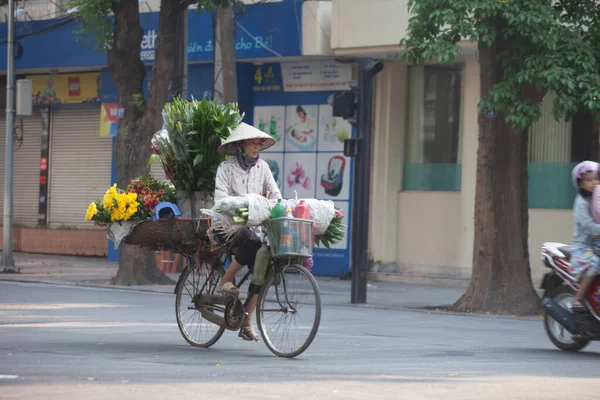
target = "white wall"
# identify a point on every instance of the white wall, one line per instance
(34, 10)
(546, 225)
(387, 160)
(45, 9)
(361, 23)
(427, 224)
(432, 233)
(316, 28)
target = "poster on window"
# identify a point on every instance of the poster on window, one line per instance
(332, 130)
(271, 121)
(301, 128)
(333, 176)
(300, 175)
(275, 161)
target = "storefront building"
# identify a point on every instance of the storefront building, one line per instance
(425, 128)
(65, 159)
(425, 149)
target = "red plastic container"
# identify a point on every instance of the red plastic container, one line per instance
(302, 211)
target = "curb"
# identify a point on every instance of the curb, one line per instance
(113, 287)
(87, 285)
(421, 309)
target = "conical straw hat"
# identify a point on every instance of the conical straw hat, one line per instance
(245, 132)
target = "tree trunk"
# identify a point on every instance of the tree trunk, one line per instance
(595, 150)
(225, 90)
(501, 277)
(142, 118)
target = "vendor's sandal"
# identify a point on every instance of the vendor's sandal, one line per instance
(229, 288)
(579, 307)
(247, 333)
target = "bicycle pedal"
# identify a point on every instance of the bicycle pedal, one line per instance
(228, 294)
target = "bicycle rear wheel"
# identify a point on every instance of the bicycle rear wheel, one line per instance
(289, 311)
(196, 330)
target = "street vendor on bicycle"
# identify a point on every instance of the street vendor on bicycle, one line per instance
(243, 173)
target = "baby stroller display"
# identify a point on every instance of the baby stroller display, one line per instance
(333, 180)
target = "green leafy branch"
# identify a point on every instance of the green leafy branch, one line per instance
(554, 46)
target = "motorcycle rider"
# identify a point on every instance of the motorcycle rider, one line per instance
(585, 253)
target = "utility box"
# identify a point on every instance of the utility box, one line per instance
(24, 93)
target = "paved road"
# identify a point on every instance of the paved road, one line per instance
(92, 343)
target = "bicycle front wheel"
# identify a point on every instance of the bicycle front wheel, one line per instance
(289, 311)
(196, 330)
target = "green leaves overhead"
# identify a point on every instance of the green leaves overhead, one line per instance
(189, 148)
(554, 45)
(96, 27)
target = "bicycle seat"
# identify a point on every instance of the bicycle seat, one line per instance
(566, 250)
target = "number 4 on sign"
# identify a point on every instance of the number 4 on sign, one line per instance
(269, 73)
(258, 75)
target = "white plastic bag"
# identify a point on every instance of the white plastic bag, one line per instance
(231, 203)
(322, 212)
(259, 209)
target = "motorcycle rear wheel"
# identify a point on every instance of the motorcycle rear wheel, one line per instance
(558, 335)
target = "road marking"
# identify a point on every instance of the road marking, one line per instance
(9, 376)
(53, 306)
(87, 324)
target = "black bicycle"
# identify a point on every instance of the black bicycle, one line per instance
(289, 303)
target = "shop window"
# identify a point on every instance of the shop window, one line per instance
(555, 147)
(432, 152)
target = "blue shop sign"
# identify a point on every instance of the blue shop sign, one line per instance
(51, 44)
(200, 82)
(264, 30)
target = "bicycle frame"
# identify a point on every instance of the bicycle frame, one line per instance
(227, 312)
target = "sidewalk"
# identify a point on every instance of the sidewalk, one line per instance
(96, 272)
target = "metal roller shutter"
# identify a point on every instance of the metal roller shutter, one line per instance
(26, 178)
(80, 164)
(157, 172)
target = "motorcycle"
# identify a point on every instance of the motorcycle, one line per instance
(567, 330)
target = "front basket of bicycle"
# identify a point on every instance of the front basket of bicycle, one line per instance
(290, 237)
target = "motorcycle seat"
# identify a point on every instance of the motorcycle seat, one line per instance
(566, 250)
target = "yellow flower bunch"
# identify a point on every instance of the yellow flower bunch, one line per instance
(110, 197)
(125, 207)
(118, 205)
(91, 212)
(137, 202)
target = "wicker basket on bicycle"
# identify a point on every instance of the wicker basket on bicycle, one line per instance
(182, 235)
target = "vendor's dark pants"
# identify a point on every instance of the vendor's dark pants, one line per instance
(245, 248)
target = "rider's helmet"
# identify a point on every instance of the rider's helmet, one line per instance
(581, 169)
(165, 210)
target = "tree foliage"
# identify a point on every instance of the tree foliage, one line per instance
(554, 47)
(93, 18)
(525, 48)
